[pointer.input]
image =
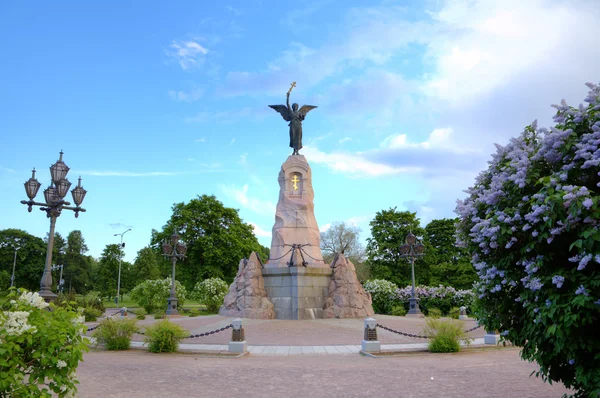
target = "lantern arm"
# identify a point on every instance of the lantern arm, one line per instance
(81, 209)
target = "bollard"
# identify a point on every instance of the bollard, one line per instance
(370, 342)
(238, 339)
(491, 337)
(463, 314)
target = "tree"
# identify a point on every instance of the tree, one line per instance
(145, 266)
(343, 238)
(531, 222)
(108, 270)
(388, 232)
(31, 257)
(449, 264)
(77, 269)
(216, 237)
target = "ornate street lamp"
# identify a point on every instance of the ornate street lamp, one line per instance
(412, 250)
(174, 250)
(54, 196)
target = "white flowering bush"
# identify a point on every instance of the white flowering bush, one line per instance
(531, 221)
(383, 295)
(152, 295)
(442, 297)
(211, 293)
(40, 347)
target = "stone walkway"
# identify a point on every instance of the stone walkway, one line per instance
(310, 337)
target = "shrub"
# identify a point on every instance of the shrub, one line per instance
(91, 314)
(40, 349)
(159, 315)
(194, 312)
(383, 294)
(445, 335)
(434, 313)
(398, 310)
(454, 313)
(442, 297)
(115, 334)
(531, 221)
(164, 336)
(92, 300)
(211, 293)
(153, 294)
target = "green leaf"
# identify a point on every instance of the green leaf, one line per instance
(577, 243)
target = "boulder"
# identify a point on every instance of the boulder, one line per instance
(347, 298)
(247, 297)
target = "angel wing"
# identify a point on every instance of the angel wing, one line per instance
(305, 109)
(283, 110)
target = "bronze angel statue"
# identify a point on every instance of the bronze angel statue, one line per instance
(295, 116)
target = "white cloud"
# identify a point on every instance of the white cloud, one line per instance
(240, 195)
(188, 53)
(243, 159)
(187, 96)
(232, 141)
(325, 227)
(345, 139)
(258, 231)
(353, 164)
(201, 139)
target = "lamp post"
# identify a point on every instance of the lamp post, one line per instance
(174, 251)
(60, 279)
(53, 206)
(411, 250)
(122, 245)
(12, 277)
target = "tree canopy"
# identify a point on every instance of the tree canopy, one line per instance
(31, 257)
(388, 232)
(216, 237)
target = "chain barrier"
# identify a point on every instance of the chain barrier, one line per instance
(304, 251)
(96, 327)
(402, 333)
(193, 336)
(416, 335)
(279, 258)
(473, 328)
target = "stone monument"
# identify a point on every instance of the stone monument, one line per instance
(295, 282)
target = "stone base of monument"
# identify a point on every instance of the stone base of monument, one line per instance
(238, 347)
(297, 292)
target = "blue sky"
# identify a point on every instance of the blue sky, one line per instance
(156, 102)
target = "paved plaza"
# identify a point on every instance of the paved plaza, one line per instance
(485, 373)
(317, 358)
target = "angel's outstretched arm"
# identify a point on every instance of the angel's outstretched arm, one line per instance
(287, 100)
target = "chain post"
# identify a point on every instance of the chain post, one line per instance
(238, 340)
(370, 342)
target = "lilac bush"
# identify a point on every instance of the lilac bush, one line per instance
(531, 221)
(441, 297)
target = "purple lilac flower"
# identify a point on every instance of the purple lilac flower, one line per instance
(581, 290)
(536, 310)
(584, 262)
(558, 280)
(574, 259)
(597, 302)
(597, 258)
(504, 333)
(535, 234)
(571, 361)
(535, 284)
(588, 203)
(518, 299)
(548, 303)
(549, 240)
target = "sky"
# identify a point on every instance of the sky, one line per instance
(154, 103)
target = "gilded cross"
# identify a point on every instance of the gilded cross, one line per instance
(290, 91)
(295, 180)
